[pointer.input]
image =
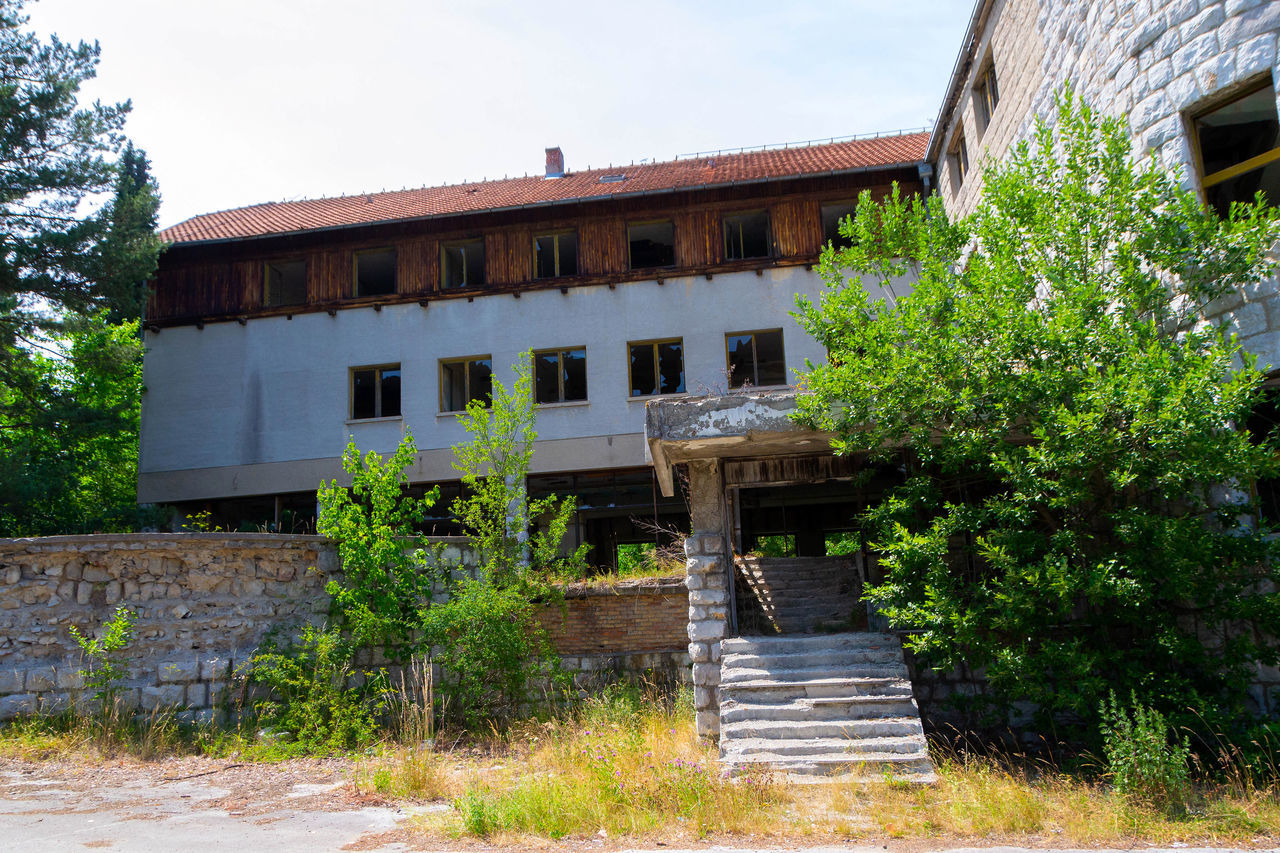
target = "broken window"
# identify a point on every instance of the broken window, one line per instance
(656, 367)
(556, 254)
(755, 358)
(560, 376)
(462, 264)
(375, 272)
(959, 159)
(1239, 149)
(985, 97)
(463, 380)
(746, 235)
(652, 244)
(832, 216)
(375, 392)
(286, 283)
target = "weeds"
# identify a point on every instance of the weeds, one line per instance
(1142, 760)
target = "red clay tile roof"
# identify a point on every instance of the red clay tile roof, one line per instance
(290, 216)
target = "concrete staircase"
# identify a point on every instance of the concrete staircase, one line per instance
(820, 705)
(797, 595)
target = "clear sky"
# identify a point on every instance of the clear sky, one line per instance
(244, 101)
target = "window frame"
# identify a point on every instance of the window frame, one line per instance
(958, 157)
(559, 351)
(266, 280)
(743, 214)
(654, 343)
(986, 95)
(378, 370)
(445, 246)
(755, 358)
(851, 204)
(467, 360)
(1212, 104)
(641, 223)
(556, 234)
(355, 271)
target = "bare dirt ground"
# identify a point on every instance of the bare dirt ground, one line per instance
(182, 804)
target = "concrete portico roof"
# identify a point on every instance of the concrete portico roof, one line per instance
(738, 424)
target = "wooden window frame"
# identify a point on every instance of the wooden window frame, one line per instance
(355, 271)
(556, 235)
(958, 157)
(770, 249)
(641, 223)
(266, 280)
(446, 245)
(653, 343)
(377, 391)
(755, 366)
(986, 95)
(559, 352)
(852, 204)
(1213, 104)
(466, 359)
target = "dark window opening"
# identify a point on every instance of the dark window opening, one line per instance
(462, 264)
(560, 376)
(1239, 145)
(985, 97)
(1262, 426)
(746, 235)
(556, 255)
(832, 216)
(376, 272)
(652, 244)
(286, 283)
(755, 358)
(375, 392)
(959, 158)
(656, 367)
(463, 380)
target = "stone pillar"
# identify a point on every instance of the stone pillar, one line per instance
(707, 577)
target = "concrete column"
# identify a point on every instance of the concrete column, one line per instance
(707, 577)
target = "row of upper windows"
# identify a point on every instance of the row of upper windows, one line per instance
(560, 375)
(651, 245)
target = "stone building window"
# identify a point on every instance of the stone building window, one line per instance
(1263, 422)
(1238, 148)
(986, 94)
(556, 254)
(832, 216)
(656, 367)
(651, 244)
(462, 264)
(958, 157)
(755, 358)
(375, 392)
(560, 376)
(285, 283)
(463, 380)
(375, 272)
(746, 235)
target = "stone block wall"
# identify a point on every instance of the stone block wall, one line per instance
(707, 577)
(203, 602)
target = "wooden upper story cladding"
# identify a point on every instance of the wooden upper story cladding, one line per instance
(227, 279)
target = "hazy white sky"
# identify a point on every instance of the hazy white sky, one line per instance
(244, 101)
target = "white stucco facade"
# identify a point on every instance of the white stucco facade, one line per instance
(263, 407)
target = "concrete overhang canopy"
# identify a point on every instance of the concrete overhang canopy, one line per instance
(739, 424)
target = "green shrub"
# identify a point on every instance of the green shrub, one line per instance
(316, 696)
(1143, 761)
(108, 665)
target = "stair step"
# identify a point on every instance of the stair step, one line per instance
(831, 657)
(838, 708)
(793, 644)
(851, 749)
(788, 673)
(771, 728)
(909, 768)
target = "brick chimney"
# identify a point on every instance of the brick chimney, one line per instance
(555, 162)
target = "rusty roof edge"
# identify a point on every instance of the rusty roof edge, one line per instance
(981, 9)
(540, 204)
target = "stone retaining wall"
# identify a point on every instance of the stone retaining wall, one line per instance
(202, 602)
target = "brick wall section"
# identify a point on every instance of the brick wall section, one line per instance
(625, 618)
(204, 601)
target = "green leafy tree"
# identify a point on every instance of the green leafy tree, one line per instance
(77, 244)
(386, 573)
(1072, 511)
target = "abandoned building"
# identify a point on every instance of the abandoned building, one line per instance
(656, 300)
